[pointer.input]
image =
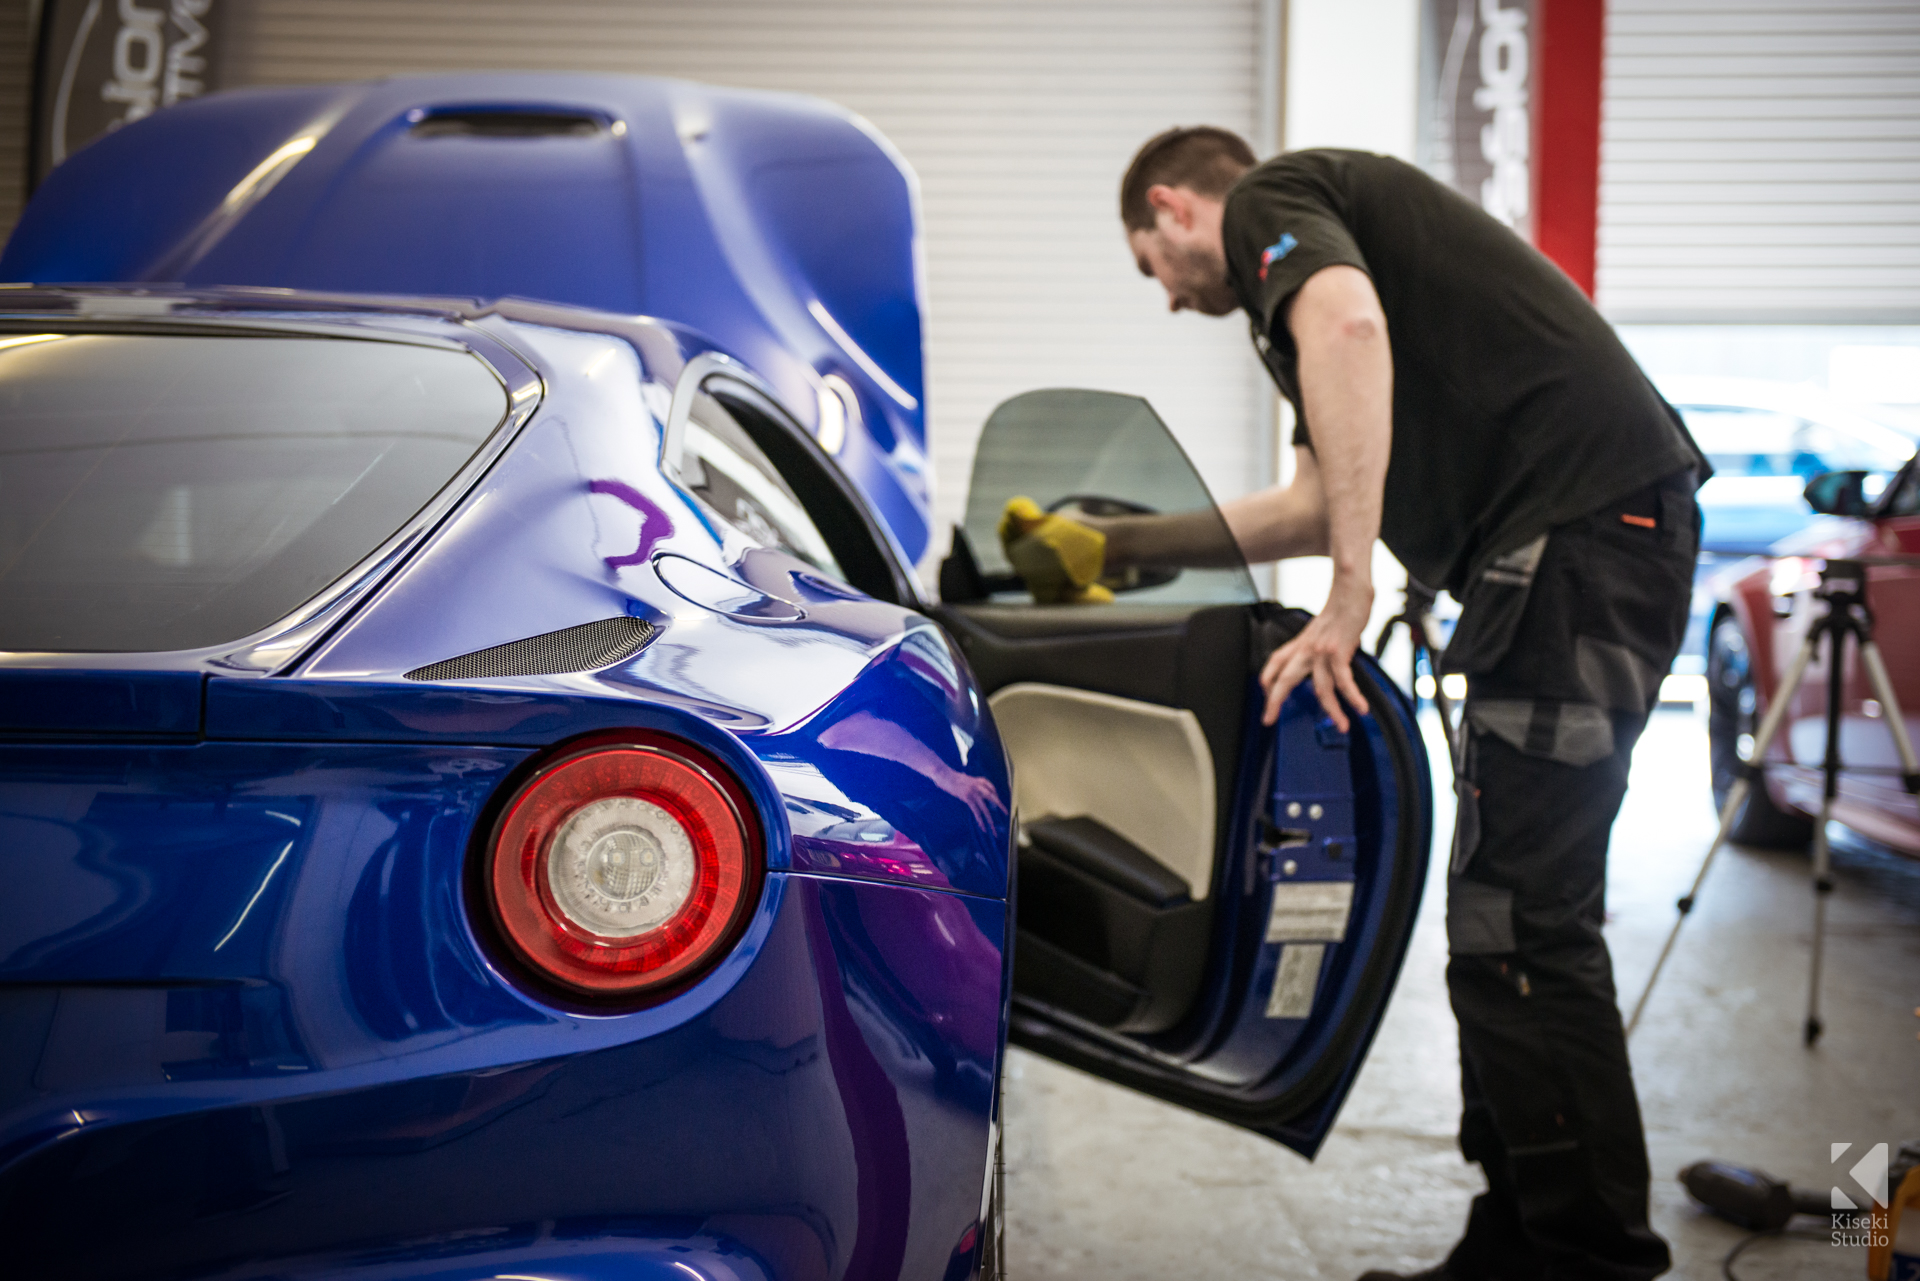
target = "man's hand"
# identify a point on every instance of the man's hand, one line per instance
(1322, 652)
(1060, 560)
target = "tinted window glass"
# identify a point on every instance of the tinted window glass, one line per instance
(1103, 454)
(728, 471)
(173, 492)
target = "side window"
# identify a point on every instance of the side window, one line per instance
(1095, 454)
(844, 536)
(727, 470)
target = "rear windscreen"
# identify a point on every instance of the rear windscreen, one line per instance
(175, 492)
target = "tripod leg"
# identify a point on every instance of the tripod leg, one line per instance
(1736, 797)
(1385, 637)
(1890, 709)
(1838, 627)
(1782, 699)
(1429, 635)
(1449, 719)
(1822, 887)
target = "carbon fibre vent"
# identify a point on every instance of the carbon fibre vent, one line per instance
(571, 649)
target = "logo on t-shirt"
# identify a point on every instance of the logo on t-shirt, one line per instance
(1276, 251)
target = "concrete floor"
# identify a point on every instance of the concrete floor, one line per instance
(1105, 1183)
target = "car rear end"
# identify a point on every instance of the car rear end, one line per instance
(411, 974)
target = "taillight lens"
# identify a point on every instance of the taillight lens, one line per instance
(623, 870)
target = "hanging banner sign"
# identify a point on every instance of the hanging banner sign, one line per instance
(1477, 102)
(106, 63)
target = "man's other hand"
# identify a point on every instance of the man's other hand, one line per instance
(1060, 560)
(1323, 653)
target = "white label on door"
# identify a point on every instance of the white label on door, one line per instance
(1296, 981)
(1315, 910)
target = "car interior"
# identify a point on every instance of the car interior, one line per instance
(1123, 721)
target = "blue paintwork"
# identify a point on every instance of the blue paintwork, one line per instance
(1312, 765)
(733, 212)
(100, 702)
(805, 1119)
(1366, 808)
(244, 1009)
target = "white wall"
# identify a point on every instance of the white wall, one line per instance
(1353, 79)
(1353, 75)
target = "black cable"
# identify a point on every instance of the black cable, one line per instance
(1740, 1247)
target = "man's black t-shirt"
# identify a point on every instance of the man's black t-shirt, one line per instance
(1515, 407)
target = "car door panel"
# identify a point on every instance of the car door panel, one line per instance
(1114, 937)
(1208, 910)
(1168, 656)
(1134, 654)
(1240, 1054)
(1151, 781)
(1100, 950)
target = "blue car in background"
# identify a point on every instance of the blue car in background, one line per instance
(482, 790)
(1766, 440)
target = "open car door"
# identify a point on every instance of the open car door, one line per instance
(1210, 911)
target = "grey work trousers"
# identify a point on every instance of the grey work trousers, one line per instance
(1565, 642)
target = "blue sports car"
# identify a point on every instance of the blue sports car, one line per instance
(482, 792)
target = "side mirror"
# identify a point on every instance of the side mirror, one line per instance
(1839, 493)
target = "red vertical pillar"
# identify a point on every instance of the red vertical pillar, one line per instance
(1566, 174)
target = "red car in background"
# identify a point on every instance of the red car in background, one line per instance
(1765, 608)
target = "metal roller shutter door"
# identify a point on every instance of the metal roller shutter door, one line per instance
(1761, 161)
(1018, 117)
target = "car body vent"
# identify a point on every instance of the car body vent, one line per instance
(571, 649)
(508, 124)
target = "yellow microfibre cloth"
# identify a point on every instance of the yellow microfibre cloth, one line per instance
(1060, 560)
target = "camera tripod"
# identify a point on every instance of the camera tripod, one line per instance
(1416, 615)
(1843, 586)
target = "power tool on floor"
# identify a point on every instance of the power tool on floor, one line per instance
(1757, 1201)
(1751, 1199)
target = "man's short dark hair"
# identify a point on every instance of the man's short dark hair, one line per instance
(1204, 159)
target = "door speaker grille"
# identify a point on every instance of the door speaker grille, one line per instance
(571, 649)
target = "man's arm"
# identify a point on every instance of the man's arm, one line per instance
(1270, 525)
(1332, 507)
(1346, 387)
(1289, 520)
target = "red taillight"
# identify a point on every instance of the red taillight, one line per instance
(624, 869)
